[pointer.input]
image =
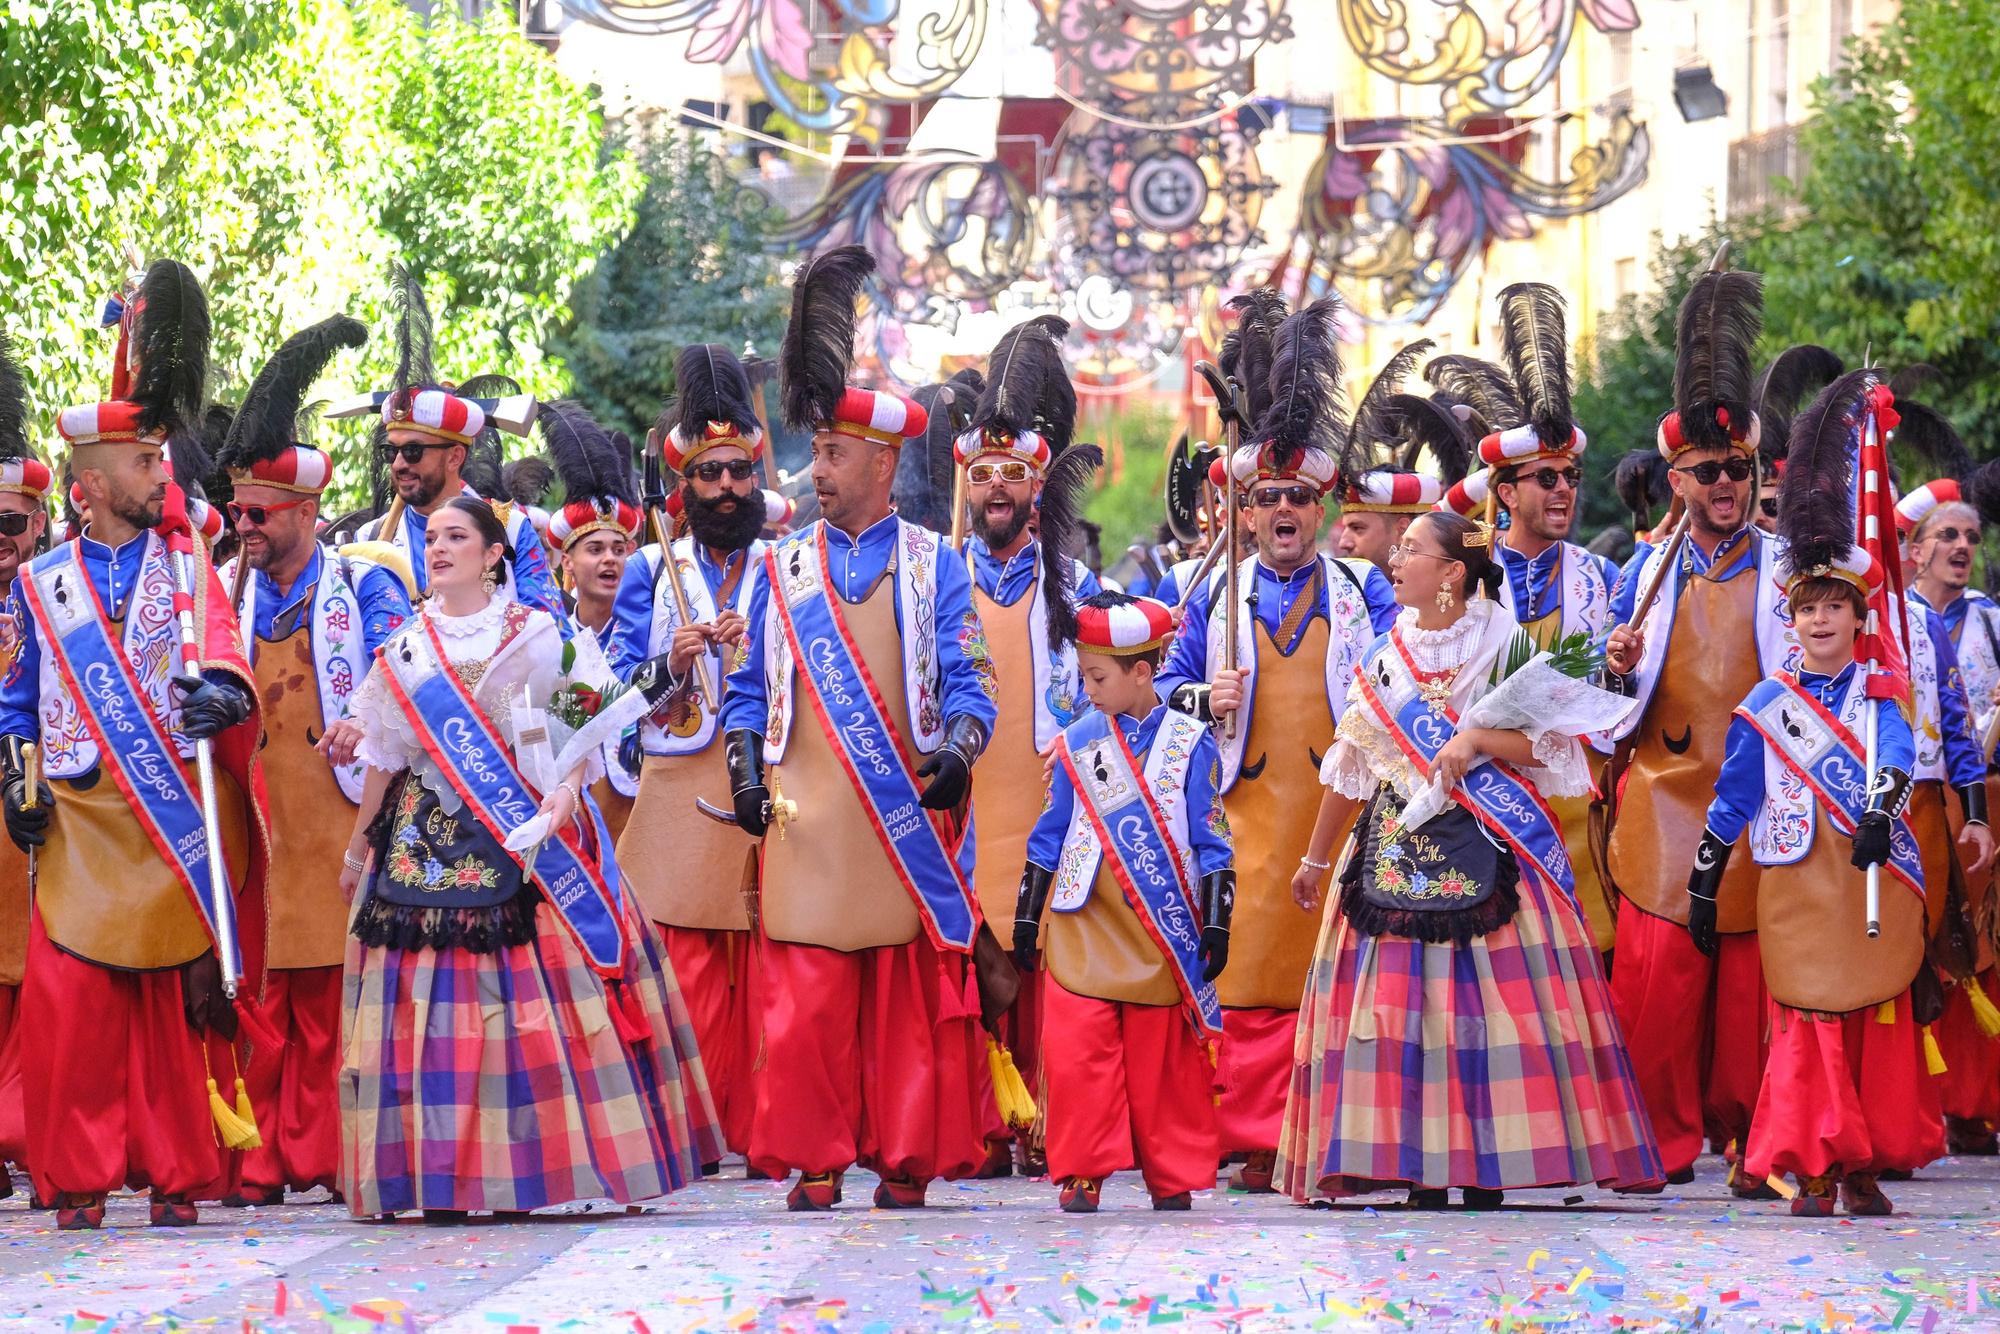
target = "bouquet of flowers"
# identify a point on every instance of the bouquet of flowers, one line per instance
(575, 719)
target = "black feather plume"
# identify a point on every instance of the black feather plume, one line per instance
(527, 481)
(1059, 528)
(925, 479)
(1926, 431)
(1304, 411)
(1027, 385)
(171, 334)
(711, 385)
(488, 455)
(1535, 343)
(415, 368)
(1258, 315)
(1640, 479)
(588, 458)
(193, 452)
(1719, 322)
(1429, 424)
(1378, 422)
(267, 420)
(1782, 385)
(1982, 491)
(13, 406)
(1481, 386)
(819, 342)
(1907, 381)
(1815, 504)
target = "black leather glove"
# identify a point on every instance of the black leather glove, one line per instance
(950, 769)
(28, 828)
(1192, 699)
(655, 680)
(743, 752)
(1927, 995)
(211, 704)
(1871, 840)
(202, 1000)
(1972, 800)
(1028, 906)
(630, 754)
(1711, 859)
(1218, 905)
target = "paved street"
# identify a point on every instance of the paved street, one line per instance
(998, 1255)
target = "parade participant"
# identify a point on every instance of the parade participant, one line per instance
(1842, 1098)
(864, 699)
(1303, 622)
(25, 482)
(696, 878)
(1715, 627)
(1942, 536)
(466, 968)
(128, 1033)
(428, 434)
(1392, 427)
(593, 533)
(1024, 486)
(311, 622)
(1554, 587)
(1457, 1029)
(1131, 860)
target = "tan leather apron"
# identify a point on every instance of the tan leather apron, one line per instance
(615, 806)
(1812, 931)
(828, 880)
(1102, 950)
(1008, 789)
(1271, 812)
(1711, 664)
(311, 818)
(688, 870)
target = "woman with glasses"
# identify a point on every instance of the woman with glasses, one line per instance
(1456, 1030)
(507, 1047)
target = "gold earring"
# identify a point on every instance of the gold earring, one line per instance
(1444, 598)
(489, 581)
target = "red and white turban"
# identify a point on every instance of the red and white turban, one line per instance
(1911, 509)
(1259, 463)
(1857, 567)
(1672, 444)
(580, 518)
(779, 509)
(437, 412)
(26, 477)
(684, 448)
(1467, 498)
(1139, 626)
(298, 468)
(113, 423)
(879, 418)
(1523, 444)
(1391, 493)
(205, 519)
(1028, 447)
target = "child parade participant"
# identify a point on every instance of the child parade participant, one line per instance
(1131, 858)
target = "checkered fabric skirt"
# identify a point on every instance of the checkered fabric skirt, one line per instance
(499, 1081)
(1496, 1063)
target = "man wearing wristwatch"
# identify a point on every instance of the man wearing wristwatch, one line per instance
(1304, 621)
(851, 725)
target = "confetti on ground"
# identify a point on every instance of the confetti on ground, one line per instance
(725, 1256)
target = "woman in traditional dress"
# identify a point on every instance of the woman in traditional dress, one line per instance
(1457, 1030)
(501, 1051)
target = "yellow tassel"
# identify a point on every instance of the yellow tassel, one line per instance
(248, 1115)
(1010, 1091)
(1983, 1012)
(1885, 1013)
(1933, 1058)
(235, 1133)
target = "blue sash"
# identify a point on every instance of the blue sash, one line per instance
(1819, 749)
(854, 717)
(1140, 854)
(132, 741)
(472, 755)
(1500, 799)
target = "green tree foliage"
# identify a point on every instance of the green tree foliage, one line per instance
(693, 269)
(286, 150)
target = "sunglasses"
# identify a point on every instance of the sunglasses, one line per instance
(979, 474)
(1546, 478)
(408, 453)
(1709, 473)
(1943, 534)
(1270, 497)
(258, 514)
(1769, 504)
(711, 470)
(13, 524)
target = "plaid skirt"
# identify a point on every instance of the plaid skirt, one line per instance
(500, 1081)
(1495, 1063)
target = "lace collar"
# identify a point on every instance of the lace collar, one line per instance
(1441, 650)
(486, 619)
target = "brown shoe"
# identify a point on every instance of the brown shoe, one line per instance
(999, 1161)
(173, 1211)
(1254, 1177)
(1079, 1195)
(1815, 1198)
(1863, 1198)
(900, 1193)
(1743, 1188)
(1969, 1137)
(1030, 1160)
(814, 1193)
(79, 1213)
(1173, 1204)
(259, 1196)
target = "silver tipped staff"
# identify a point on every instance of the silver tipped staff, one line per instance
(221, 903)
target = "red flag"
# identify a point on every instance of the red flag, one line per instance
(1883, 641)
